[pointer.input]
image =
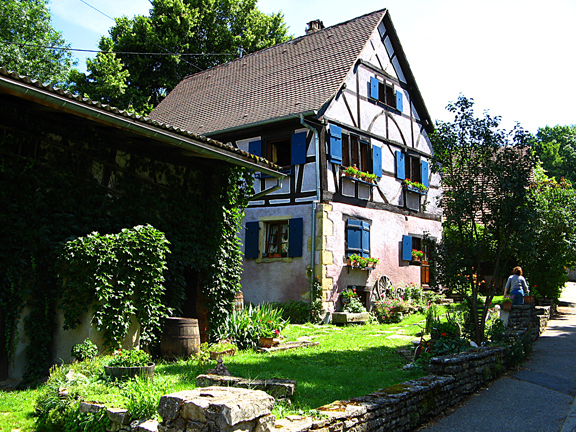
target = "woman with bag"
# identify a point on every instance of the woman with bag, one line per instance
(517, 285)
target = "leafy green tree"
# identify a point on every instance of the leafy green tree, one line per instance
(216, 29)
(485, 174)
(28, 40)
(548, 244)
(556, 148)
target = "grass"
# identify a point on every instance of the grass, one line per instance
(350, 361)
(16, 409)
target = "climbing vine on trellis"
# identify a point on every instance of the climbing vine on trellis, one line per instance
(61, 183)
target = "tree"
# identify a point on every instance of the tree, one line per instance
(485, 174)
(548, 244)
(29, 41)
(556, 148)
(216, 29)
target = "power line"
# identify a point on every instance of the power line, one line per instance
(97, 10)
(118, 52)
(159, 46)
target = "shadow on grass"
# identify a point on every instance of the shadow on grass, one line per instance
(322, 376)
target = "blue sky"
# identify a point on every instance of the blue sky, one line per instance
(514, 57)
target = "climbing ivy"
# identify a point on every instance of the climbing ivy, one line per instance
(61, 182)
(120, 276)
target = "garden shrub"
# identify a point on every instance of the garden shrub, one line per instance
(86, 350)
(351, 301)
(245, 327)
(295, 312)
(389, 310)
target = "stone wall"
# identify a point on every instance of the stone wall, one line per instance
(528, 317)
(401, 407)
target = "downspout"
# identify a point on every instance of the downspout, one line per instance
(314, 203)
(267, 191)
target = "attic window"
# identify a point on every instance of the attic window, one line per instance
(384, 92)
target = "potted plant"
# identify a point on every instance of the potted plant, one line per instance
(371, 178)
(372, 262)
(354, 260)
(223, 348)
(352, 172)
(417, 255)
(507, 303)
(129, 363)
(269, 337)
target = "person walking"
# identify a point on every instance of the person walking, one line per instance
(517, 285)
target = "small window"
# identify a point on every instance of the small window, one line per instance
(358, 238)
(278, 152)
(356, 152)
(276, 239)
(412, 168)
(386, 94)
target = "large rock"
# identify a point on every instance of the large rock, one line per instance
(228, 408)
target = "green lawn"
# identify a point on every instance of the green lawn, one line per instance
(349, 361)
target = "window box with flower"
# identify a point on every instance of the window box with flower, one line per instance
(357, 261)
(416, 187)
(354, 173)
(417, 255)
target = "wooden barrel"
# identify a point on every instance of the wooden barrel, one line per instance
(180, 338)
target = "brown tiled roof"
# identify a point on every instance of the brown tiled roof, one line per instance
(155, 129)
(294, 77)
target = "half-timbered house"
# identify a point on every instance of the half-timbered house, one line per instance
(338, 97)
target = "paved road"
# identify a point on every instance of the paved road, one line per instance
(540, 397)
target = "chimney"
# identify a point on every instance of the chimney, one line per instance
(314, 26)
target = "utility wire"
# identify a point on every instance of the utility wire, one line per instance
(97, 10)
(117, 52)
(161, 47)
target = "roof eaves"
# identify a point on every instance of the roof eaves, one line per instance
(26, 86)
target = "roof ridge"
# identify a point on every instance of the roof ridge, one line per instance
(291, 41)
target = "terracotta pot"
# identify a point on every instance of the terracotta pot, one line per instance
(507, 306)
(529, 299)
(268, 342)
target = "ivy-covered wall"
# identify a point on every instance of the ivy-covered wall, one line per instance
(59, 181)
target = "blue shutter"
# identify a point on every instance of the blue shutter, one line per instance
(399, 101)
(365, 239)
(335, 155)
(425, 173)
(295, 237)
(354, 234)
(377, 161)
(251, 240)
(255, 147)
(299, 148)
(400, 165)
(406, 248)
(374, 87)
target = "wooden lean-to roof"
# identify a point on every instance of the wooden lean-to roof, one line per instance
(129, 129)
